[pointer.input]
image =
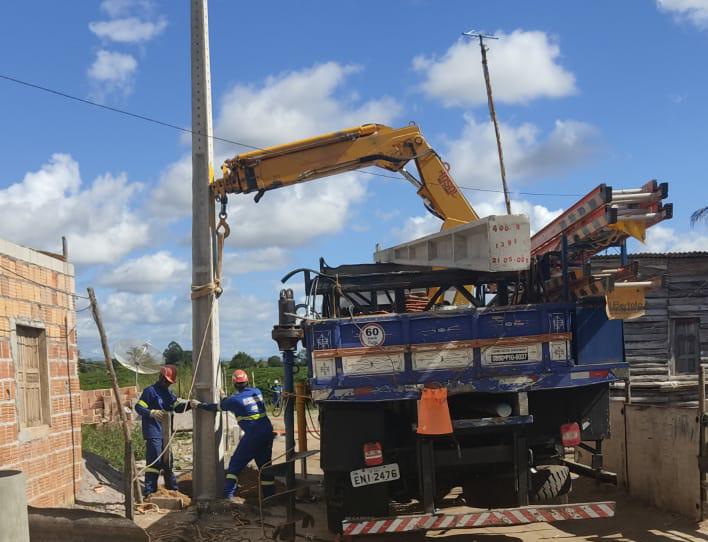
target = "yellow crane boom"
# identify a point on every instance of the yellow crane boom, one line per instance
(347, 150)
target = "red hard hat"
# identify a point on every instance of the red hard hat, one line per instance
(170, 373)
(240, 377)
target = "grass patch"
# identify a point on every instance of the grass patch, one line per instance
(106, 440)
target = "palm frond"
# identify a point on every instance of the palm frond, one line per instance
(699, 215)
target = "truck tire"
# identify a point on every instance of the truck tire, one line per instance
(550, 482)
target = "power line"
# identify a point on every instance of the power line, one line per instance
(225, 140)
(472, 188)
(26, 279)
(122, 111)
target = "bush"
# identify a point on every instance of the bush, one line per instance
(106, 440)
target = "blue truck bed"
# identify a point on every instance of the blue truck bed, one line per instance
(492, 350)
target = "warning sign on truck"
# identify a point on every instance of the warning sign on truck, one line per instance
(512, 354)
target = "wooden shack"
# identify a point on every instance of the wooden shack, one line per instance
(666, 346)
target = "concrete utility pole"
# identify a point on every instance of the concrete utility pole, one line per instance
(492, 112)
(208, 439)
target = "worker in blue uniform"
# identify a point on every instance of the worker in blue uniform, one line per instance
(154, 404)
(277, 391)
(257, 440)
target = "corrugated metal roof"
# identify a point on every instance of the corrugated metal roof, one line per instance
(694, 254)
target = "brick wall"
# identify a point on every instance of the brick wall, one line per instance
(98, 406)
(37, 290)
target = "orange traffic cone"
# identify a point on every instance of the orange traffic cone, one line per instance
(433, 413)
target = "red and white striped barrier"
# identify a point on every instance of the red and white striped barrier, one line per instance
(484, 518)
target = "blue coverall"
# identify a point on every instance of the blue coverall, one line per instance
(277, 390)
(157, 397)
(257, 440)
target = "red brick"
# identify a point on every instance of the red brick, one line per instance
(7, 369)
(8, 412)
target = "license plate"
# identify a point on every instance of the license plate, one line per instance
(375, 475)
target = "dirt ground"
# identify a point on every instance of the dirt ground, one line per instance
(240, 521)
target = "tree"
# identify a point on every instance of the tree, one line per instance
(700, 214)
(275, 361)
(174, 355)
(242, 361)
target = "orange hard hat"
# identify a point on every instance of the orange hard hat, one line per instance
(240, 377)
(170, 373)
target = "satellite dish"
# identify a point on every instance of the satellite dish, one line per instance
(138, 356)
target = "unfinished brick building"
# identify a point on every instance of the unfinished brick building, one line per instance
(40, 405)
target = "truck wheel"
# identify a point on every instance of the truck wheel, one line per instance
(550, 482)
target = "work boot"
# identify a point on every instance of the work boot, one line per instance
(230, 486)
(150, 483)
(171, 481)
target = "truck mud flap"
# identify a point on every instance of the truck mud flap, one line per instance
(478, 518)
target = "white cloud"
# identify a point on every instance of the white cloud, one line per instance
(148, 274)
(419, 226)
(524, 65)
(52, 202)
(172, 198)
(284, 108)
(528, 153)
(662, 238)
(263, 259)
(297, 104)
(245, 322)
(112, 72)
(693, 11)
(128, 30)
(539, 215)
(295, 215)
(117, 8)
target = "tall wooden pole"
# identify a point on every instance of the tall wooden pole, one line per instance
(128, 468)
(208, 439)
(492, 111)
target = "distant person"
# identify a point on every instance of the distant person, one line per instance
(155, 403)
(257, 440)
(277, 391)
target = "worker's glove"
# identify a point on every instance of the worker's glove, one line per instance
(193, 403)
(157, 414)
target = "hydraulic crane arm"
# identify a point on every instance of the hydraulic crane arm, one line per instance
(347, 150)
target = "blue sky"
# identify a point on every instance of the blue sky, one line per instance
(586, 93)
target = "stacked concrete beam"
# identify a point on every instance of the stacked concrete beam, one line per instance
(37, 289)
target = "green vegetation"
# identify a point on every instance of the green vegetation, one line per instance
(174, 354)
(93, 376)
(107, 441)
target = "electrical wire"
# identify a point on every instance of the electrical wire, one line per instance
(232, 141)
(122, 111)
(66, 292)
(474, 189)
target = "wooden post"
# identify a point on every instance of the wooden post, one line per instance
(128, 466)
(702, 436)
